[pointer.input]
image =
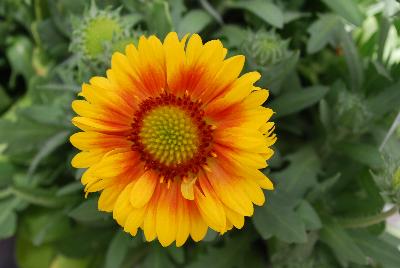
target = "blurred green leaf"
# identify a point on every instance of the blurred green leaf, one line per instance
(275, 75)
(325, 114)
(61, 12)
(384, 27)
(377, 249)
(301, 174)
(211, 10)
(177, 254)
(309, 215)
(87, 211)
(157, 258)
(348, 9)
(193, 22)
(30, 256)
(70, 188)
(41, 197)
(385, 100)
(8, 222)
(48, 147)
(61, 261)
(5, 100)
(234, 35)
(231, 254)
(7, 171)
(83, 240)
(177, 9)
(342, 244)
(23, 135)
(42, 226)
(352, 57)
(159, 18)
(117, 250)
(322, 32)
(19, 54)
(363, 153)
(291, 102)
(267, 11)
(280, 220)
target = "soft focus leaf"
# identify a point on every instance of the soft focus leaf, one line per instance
(362, 153)
(220, 257)
(353, 61)
(291, 102)
(301, 174)
(309, 216)
(377, 249)
(117, 250)
(322, 32)
(266, 11)
(157, 258)
(279, 219)
(16, 135)
(342, 244)
(87, 211)
(8, 225)
(5, 100)
(383, 102)
(348, 9)
(211, 10)
(65, 262)
(159, 18)
(19, 55)
(193, 22)
(48, 147)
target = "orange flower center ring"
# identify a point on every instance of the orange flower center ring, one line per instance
(171, 135)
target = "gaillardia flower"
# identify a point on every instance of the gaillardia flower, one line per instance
(174, 139)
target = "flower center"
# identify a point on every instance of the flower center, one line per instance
(171, 135)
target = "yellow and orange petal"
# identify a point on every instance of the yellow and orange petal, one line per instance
(174, 138)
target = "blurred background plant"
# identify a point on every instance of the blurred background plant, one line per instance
(332, 67)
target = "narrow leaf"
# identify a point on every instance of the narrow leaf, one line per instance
(267, 11)
(348, 9)
(342, 244)
(293, 102)
(322, 32)
(193, 22)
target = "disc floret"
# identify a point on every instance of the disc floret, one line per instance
(171, 135)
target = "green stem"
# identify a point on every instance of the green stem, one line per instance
(369, 220)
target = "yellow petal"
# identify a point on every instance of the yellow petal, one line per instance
(166, 219)
(235, 218)
(86, 159)
(210, 207)
(198, 228)
(242, 87)
(108, 197)
(187, 188)
(143, 189)
(183, 222)
(122, 206)
(134, 220)
(256, 98)
(149, 224)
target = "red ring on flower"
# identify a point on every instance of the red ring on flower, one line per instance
(204, 132)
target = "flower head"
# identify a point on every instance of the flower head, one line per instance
(265, 48)
(174, 139)
(98, 32)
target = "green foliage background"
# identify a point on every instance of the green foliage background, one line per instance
(332, 67)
